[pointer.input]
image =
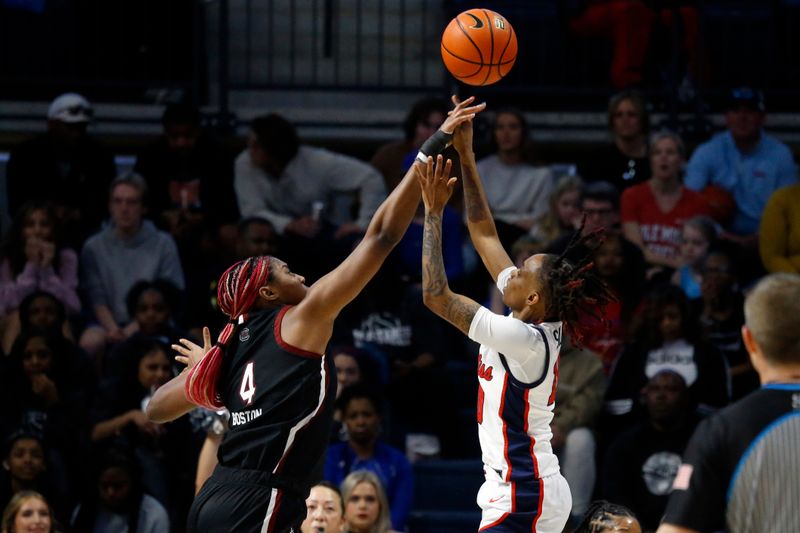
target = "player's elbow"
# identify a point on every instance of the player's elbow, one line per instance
(154, 413)
(389, 238)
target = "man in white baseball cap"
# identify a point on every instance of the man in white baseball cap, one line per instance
(71, 108)
(65, 166)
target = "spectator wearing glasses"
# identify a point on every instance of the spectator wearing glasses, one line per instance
(66, 166)
(599, 203)
(624, 161)
(745, 161)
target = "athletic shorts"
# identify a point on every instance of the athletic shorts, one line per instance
(245, 501)
(541, 506)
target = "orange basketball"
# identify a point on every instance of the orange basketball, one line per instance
(479, 47)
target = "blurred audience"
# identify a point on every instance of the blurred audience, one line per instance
(119, 502)
(394, 158)
(165, 453)
(151, 304)
(517, 191)
(308, 194)
(579, 398)
(564, 212)
(641, 463)
(408, 348)
(665, 337)
(624, 162)
(25, 469)
(46, 389)
(745, 161)
(254, 236)
(721, 314)
(65, 166)
(128, 250)
(361, 408)
(698, 235)
(634, 28)
(653, 212)
(620, 265)
(189, 177)
(34, 258)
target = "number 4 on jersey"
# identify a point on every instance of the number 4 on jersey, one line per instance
(248, 388)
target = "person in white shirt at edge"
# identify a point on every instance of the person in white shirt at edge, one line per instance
(518, 361)
(284, 181)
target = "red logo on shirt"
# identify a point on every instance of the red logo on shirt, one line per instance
(484, 371)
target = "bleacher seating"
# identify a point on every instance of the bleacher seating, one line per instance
(444, 496)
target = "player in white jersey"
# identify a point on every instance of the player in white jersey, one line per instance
(518, 360)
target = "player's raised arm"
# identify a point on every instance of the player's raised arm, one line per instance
(331, 293)
(481, 225)
(437, 186)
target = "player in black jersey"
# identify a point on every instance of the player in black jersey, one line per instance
(270, 371)
(741, 467)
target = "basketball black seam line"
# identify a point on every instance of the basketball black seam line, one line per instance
(510, 36)
(491, 50)
(478, 48)
(480, 65)
(475, 62)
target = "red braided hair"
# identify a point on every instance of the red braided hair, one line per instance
(237, 290)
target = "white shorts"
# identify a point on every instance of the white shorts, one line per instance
(542, 506)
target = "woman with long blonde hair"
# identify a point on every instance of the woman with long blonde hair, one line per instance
(366, 509)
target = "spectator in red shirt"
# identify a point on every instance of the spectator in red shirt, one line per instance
(653, 212)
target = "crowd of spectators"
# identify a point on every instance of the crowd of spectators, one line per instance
(100, 273)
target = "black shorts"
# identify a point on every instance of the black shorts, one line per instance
(243, 501)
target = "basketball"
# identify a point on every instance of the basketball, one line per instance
(479, 47)
(720, 202)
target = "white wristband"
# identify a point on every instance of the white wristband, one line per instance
(422, 158)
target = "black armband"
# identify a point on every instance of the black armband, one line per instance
(435, 144)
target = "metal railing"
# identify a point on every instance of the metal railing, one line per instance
(150, 51)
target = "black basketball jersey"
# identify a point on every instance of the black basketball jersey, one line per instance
(714, 455)
(281, 401)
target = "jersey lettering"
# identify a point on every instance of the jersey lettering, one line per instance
(484, 371)
(248, 388)
(557, 336)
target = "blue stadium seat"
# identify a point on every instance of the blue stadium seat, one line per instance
(443, 521)
(447, 485)
(444, 496)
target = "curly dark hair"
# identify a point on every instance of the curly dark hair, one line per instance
(575, 290)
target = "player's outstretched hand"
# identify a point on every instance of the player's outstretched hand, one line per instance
(191, 353)
(436, 184)
(462, 112)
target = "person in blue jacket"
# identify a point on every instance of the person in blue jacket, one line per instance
(361, 409)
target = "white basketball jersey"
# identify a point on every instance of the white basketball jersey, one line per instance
(517, 378)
